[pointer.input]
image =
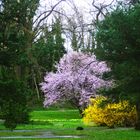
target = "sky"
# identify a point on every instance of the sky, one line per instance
(86, 4)
(84, 7)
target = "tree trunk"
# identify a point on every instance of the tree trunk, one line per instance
(80, 111)
(137, 126)
(75, 103)
(37, 90)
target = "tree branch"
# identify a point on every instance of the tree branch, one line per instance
(100, 8)
(49, 13)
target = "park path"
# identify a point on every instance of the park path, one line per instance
(40, 134)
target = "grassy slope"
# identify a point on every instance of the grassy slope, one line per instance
(65, 122)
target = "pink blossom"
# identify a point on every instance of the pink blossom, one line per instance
(78, 77)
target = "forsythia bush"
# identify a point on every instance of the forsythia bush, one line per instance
(112, 114)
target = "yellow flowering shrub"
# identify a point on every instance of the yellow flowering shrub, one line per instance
(112, 114)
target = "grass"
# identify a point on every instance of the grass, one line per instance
(53, 120)
(64, 122)
(19, 133)
(57, 114)
(103, 133)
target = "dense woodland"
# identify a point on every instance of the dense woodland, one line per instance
(30, 46)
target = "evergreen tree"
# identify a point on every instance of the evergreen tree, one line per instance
(16, 18)
(50, 47)
(118, 42)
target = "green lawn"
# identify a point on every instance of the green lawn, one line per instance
(64, 122)
(55, 114)
(53, 120)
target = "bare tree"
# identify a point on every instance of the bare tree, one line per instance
(38, 22)
(76, 28)
(101, 9)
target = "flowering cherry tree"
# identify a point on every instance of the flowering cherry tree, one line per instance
(78, 77)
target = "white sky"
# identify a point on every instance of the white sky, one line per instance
(84, 7)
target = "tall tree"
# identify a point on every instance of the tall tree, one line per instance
(16, 19)
(118, 41)
(16, 33)
(49, 48)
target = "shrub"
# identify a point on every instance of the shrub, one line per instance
(13, 106)
(111, 115)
